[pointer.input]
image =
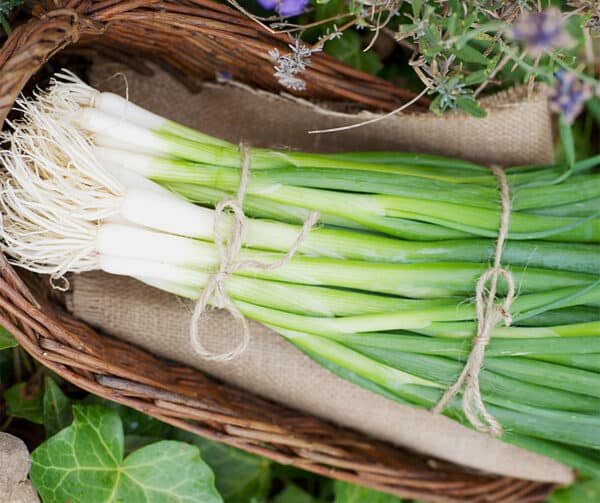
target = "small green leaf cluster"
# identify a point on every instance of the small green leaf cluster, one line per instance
(458, 49)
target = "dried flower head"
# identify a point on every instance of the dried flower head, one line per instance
(569, 95)
(285, 7)
(288, 66)
(541, 31)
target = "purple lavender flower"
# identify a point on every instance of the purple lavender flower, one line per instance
(569, 95)
(541, 31)
(285, 8)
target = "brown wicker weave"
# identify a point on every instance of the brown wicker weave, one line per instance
(199, 37)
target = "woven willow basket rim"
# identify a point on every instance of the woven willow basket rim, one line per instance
(206, 35)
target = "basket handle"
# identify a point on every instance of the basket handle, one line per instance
(30, 45)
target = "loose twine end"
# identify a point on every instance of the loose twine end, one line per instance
(228, 265)
(489, 314)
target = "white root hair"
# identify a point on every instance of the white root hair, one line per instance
(53, 193)
(39, 235)
(66, 94)
(62, 160)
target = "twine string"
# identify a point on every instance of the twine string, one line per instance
(489, 314)
(228, 252)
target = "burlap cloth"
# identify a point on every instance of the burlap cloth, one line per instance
(515, 132)
(518, 130)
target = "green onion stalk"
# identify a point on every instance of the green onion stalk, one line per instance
(380, 293)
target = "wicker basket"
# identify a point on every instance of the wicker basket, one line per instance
(198, 38)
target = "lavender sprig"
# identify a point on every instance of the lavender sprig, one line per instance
(541, 31)
(569, 95)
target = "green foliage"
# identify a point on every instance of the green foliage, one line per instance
(6, 362)
(470, 105)
(349, 49)
(6, 8)
(56, 408)
(25, 401)
(452, 93)
(568, 143)
(6, 340)
(294, 494)
(110, 452)
(458, 49)
(582, 492)
(85, 463)
(349, 493)
(135, 423)
(240, 476)
(593, 107)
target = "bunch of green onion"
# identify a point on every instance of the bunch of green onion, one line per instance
(380, 293)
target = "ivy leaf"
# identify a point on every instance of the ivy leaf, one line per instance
(167, 471)
(239, 476)
(293, 494)
(6, 340)
(349, 493)
(22, 401)
(348, 49)
(581, 492)
(56, 407)
(133, 442)
(6, 362)
(84, 464)
(134, 421)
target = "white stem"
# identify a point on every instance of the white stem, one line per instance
(115, 131)
(120, 107)
(68, 92)
(189, 292)
(138, 243)
(118, 159)
(167, 212)
(132, 180)
(258, 233)
(152, 270)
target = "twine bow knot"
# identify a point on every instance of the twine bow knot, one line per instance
(489, 314)
(228, 265)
